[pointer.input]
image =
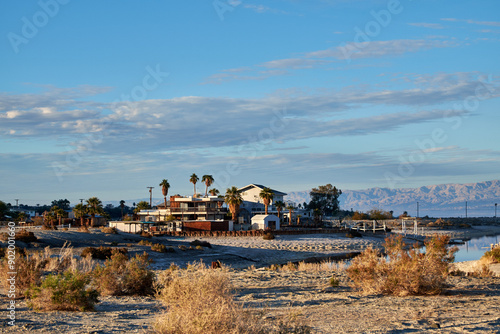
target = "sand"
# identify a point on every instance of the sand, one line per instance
(470, 305)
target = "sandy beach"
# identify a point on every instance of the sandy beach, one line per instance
(468, 305)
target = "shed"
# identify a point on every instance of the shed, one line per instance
(262, 222)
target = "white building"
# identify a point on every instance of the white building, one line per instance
(262, 222)
(252, 201)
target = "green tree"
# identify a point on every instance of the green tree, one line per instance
(233, 199)
(193, 179)
(142, 205)
(213, 192)
(94, 207)
(378, 214)
(61, 203)
(164, 189)
(80, 211)
(326, 199)
(208, 180)
(52, 216)
(4, 209)
(122, 206)
(279, 207)
(290, 209)
(267, 196)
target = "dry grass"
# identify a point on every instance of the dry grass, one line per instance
(199, 300)
(109, 230)
(405, 272)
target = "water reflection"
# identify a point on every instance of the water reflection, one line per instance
(475, 248)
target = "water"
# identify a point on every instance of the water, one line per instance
(475, 248)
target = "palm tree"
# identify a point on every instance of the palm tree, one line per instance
(193, 179)
(213, 192)
(80, 210)
(267, 196)
(233, 199)
(142, 205)
(164, 189)
(122, 206)
(290, 210)
(94, 207)
(279, 206)
(208, 180)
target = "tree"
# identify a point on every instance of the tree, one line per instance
(326, 199)
(213, 192)
(193, 179)
(80, 211)
(358, 215)
(122, 206)
(3, 210)
(279, 206)
(54, 215)
(267, 196)
(94, 207)
(378, 214)
(290, 209)
(208, 180)
(233, 199)
(61, 203)
(142, 205)
(164, 189)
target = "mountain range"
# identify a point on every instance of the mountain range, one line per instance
(442, 200)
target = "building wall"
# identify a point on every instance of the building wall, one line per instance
(206, 226)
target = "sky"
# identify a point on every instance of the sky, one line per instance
(106, 98)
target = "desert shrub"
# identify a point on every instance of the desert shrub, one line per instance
(289, 267)
(46, 227)
(159, 248)
(28, 269)
(83, 229)
(197, 243)
(121, 276)
(199, 247)
(268, 236)
(102, 253)
(146, 234)
(334, 282)
(182, 247)
(109, 230)
(199, 300)
(63, 292)
(406, 271)
(145, 243)
(21, 235)
(492, 256)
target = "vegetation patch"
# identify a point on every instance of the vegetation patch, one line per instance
(63, 292)
(121, 276)
(201, 243)
(21, 235)
(268, 236)
(492, 256)
(405, 271)
(109, 230)
(102, 253)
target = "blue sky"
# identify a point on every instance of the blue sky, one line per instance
(105, 98)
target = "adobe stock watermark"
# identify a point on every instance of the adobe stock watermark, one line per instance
(223, 6)
(251, 147)
(32, 25)
(485, 89)
(75, 155)
(11, 274)
(372, 28)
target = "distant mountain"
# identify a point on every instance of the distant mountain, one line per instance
(443, 200)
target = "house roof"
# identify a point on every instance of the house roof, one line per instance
(253, 185)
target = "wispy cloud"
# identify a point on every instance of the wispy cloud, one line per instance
(483, 23)
(427, 25)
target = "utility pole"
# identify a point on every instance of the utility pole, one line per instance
(17, 202)
(81, 201)
(417, 209)
(465, 209)
(150, 196)
(496, 210)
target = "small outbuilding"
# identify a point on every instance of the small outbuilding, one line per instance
(262, 222)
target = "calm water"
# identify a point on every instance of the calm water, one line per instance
(475, 248)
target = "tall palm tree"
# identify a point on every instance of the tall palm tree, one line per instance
(193, 179)
(164, 189)
(80, 210)
(233, 199)
(94, 207)
(290, 209)
(279, 206)
(267, 196)
(122, 206)
(208, 180)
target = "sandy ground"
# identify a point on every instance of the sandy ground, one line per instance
(469, 304)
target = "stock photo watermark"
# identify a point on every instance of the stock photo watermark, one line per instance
(485, 89)
(75, 156)
(381, 19)
(11, 274)
(250, 149)
(223, 6)
(31, 25)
